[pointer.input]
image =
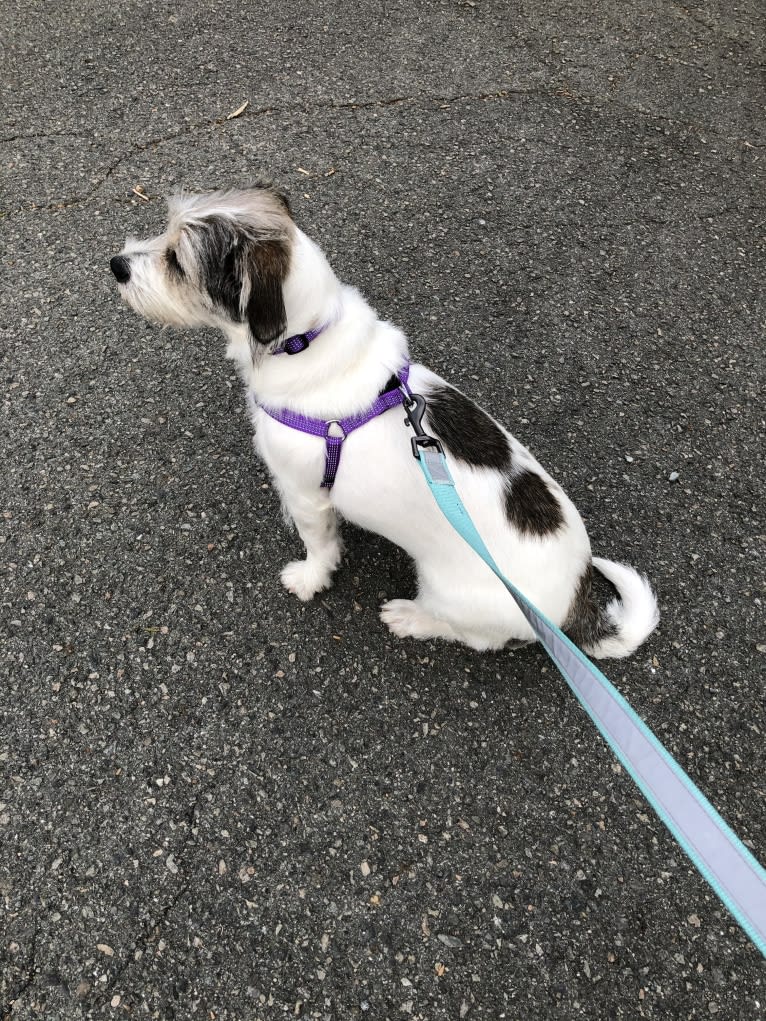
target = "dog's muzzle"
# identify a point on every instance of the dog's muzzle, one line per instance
(120, 266)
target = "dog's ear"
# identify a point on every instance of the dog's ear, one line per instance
(244, 274)
(266, 268)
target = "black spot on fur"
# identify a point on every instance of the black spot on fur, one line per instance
(531, 506)
(586, 623)
(228, 255)
(218, 245)
(174, 266)
(468, 433)
(392, 384)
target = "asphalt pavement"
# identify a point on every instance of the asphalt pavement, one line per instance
(217, 803)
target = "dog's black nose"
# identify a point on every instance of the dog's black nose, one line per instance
(121, 268)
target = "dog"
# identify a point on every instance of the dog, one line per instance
(236, 260)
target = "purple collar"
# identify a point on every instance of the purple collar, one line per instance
(392, 395)
(294, 345)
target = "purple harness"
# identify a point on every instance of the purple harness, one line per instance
(392, 395)
(294, 345)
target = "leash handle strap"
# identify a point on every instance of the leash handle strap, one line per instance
(719, 855)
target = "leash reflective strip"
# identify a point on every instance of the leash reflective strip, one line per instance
(719, 855)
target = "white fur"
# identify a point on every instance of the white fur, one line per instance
(634, 614)
(379, 485)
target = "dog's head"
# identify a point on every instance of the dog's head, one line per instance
(222, 261)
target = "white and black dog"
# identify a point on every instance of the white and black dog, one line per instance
(236, 260)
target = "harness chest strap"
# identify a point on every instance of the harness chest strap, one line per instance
(390, 397)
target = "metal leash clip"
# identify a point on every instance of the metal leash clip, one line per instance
(415, 407)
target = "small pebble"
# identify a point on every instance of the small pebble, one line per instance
(673, 477)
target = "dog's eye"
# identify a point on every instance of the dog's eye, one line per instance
(172, 260)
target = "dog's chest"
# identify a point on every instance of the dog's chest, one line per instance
(288, 453)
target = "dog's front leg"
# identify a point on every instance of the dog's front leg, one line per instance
(317, 525)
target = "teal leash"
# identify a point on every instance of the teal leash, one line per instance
(716, 851)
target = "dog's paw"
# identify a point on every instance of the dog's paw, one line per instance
(406, 619)
(397, 615)
(305, 579)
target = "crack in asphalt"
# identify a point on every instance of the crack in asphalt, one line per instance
(44, 134)
(155, 924)
(141, 943)
(210, 124)
(710, 26)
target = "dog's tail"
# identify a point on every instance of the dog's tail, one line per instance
(618, 629)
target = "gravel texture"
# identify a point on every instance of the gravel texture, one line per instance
(217, 803)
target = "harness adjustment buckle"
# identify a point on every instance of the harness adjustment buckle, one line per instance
(292, 344)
